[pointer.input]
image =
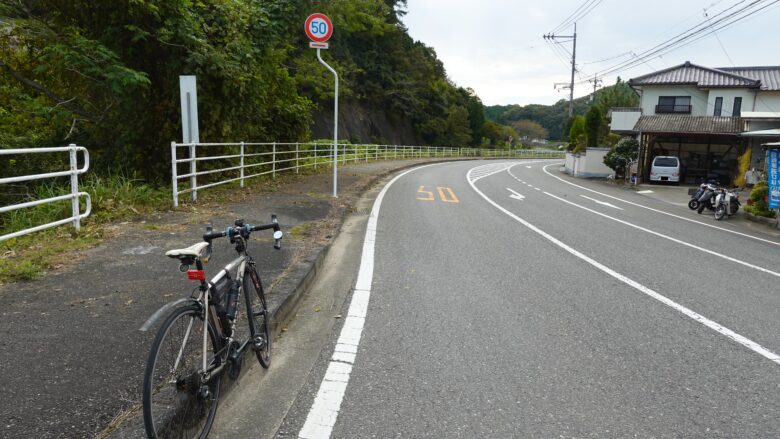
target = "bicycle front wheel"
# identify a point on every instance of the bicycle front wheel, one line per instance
(258, 316)
(176, 402)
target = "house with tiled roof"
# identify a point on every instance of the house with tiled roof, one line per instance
(709, 117)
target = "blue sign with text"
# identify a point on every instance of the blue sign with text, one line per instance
(774, 178)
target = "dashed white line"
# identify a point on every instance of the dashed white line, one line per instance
(601, 202)
(675, 240)
(755, 347)
(544, 168)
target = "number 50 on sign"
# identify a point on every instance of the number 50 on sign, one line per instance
(318, 28)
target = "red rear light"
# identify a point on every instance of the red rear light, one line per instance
(196, 275)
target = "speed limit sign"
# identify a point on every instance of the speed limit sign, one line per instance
(318, 28)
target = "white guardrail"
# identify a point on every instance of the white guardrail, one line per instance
(246, 160)
(74, 195)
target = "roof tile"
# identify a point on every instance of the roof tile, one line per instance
(673, 123)
(765, 78)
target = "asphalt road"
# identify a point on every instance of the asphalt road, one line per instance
(509, 300)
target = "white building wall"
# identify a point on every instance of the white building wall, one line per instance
(650, 95)
(767, 101)
(728, 95)
(624, 120)
(588, 165)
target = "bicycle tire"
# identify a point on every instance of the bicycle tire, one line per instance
(258, 317)
(172, 404)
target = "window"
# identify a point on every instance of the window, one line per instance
(718, 106)
(666, 162)
(737, 107)
(674, 104)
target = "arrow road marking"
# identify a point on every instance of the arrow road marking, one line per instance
(601, 202)
(728, 333)
(515, 195)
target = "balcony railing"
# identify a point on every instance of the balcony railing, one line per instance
(675, 109)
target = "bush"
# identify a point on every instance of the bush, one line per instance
(758, 201)
(624, 152)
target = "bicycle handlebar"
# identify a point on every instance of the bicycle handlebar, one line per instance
(245, 229)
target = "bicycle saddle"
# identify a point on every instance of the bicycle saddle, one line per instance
(193, 251)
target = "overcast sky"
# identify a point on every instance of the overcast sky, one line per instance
(496, 46)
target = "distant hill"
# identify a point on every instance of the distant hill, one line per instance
(554, 117)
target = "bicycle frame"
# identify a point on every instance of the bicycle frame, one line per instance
(239, 262)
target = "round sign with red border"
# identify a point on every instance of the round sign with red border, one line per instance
(318, 28)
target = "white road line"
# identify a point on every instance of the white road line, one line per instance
(483, 171)
(601, 202)
(755, 347)
(325, 409)
(661, 235)
(515, 195)
(544, 168)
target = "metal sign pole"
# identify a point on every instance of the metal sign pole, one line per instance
(335, 125)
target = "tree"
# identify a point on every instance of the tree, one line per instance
(593, 122)
(494, 132)
(618, 95)
(577, 135)
(528, 129)
(476, 116)
(457, 133)
(623, 153)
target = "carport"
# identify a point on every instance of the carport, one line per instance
(708, 147)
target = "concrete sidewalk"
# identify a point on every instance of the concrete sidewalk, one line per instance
(72, 353)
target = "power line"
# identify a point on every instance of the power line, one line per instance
(607, 59)
(568, 20)
(682, 37)
(719, 42)
(669, 42)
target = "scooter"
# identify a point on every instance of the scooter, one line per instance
(707, 199)
(694, 203)
(726, 203)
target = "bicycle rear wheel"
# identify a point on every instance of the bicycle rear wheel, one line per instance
(258, 316)
(176, 403)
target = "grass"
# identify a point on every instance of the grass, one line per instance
(300, 231)
(115, 198)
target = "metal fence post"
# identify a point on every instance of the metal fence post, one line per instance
(242, 164)
(175, 179)
(193, 171)
(74, 187)
(315, 157)
(273, 161)
(297, 158)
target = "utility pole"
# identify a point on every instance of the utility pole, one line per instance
(596, 83)
(573, 63)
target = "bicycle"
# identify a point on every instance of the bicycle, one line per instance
(198, 341)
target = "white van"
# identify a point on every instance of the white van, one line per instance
(665, 168)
